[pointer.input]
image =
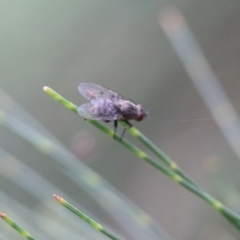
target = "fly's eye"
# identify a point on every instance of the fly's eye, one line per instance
(141, 113)
(140, 116)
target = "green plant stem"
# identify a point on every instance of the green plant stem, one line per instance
(188, 184)
(87, 219)
(160, 154)
(22, 231)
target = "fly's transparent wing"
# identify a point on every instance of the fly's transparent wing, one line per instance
(97, 112)
(87, 111)
(92, 91)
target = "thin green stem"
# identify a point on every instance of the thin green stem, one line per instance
(160, 154)
(187, 183)
(87, 219)
(19, 229)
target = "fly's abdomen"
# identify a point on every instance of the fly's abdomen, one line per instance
(104, 108)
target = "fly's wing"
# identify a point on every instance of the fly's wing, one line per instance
(93, 91)
(87, 111)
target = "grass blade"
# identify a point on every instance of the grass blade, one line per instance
(87, 219)
(160, 154)
(225, 211)
(19, 229)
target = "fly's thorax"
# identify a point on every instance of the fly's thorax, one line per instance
(130, 110)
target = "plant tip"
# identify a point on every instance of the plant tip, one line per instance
(45, 88)
(56, 197)
(2, 214)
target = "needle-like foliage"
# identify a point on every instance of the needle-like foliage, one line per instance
(171, 169)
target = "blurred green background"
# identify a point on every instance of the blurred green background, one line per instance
(120, 45)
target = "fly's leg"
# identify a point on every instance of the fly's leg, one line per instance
(115, 127)
(124, 130)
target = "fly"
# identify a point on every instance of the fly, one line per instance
(107, 105)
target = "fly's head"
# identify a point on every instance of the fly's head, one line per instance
(141, 113)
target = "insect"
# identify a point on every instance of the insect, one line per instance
(107, 105)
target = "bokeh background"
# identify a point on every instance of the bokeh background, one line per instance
(119, 44)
